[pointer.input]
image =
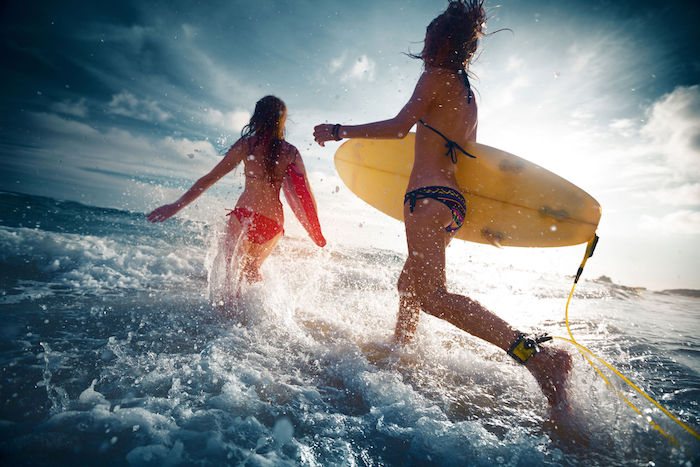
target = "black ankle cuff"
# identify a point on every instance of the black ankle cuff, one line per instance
(525, 347)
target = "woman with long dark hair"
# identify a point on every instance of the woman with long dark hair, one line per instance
(445, 110)
(255, 225)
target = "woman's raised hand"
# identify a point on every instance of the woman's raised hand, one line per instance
(323, 133)
(163, 213)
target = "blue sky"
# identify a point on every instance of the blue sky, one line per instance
(123, 104)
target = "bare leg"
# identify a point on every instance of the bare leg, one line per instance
(241, 260)
(409, 311)
(550, 368)
(425, 271)
(222, 280)
(247, 256)
(254, 256)
(409, 305)
(230, 243)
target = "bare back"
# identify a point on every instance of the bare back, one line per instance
(450, 112)
(261, 192)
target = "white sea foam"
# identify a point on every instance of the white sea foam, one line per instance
(90, 264)
(112, 350)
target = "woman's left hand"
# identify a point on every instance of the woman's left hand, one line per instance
(163, 213)
(323, 133)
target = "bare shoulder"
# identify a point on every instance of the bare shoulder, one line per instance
(290, 151)
(239, 148)
(432, 80)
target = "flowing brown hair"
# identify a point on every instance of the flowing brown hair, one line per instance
(451, 39)
(267, 124)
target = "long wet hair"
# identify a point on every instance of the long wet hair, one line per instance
(267, 124)
(452, 38)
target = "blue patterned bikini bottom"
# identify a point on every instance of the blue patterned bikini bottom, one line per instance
(450, 197)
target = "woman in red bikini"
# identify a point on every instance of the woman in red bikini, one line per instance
(444, 107)
(255, 225)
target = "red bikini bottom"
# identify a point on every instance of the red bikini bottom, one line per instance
(259, 229)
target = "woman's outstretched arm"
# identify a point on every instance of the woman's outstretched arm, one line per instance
(394, 128)
(232, 158)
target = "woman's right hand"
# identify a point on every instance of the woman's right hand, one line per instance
(323, 133)
(163, 213)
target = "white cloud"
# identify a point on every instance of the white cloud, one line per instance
(336, 63)
(673, 127)
(186, 148)
(595, 55)
(515, 64)
(189, 31)
(185, 56)
(362, 69)
(128, 105)
(59, 125)
(582, 60)
(509, 92)
(624, 127)
(134, 35)
(683, 222)
(117, 150)
(683, 195)
(67, 107)
(113, 167)
(230, 121)
(656, 163)
(236, 120)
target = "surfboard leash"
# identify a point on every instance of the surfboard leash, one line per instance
(590, 248)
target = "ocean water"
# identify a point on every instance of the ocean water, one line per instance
(112, 354)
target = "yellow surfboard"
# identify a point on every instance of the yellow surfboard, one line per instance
(510, 201)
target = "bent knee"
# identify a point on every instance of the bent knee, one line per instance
(431, 296)
(405, 285)
(421, 289)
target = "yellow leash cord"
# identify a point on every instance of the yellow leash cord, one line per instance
(589, 252)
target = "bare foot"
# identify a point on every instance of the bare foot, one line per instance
(550, 367)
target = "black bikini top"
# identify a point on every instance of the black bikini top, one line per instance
(451, 146)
